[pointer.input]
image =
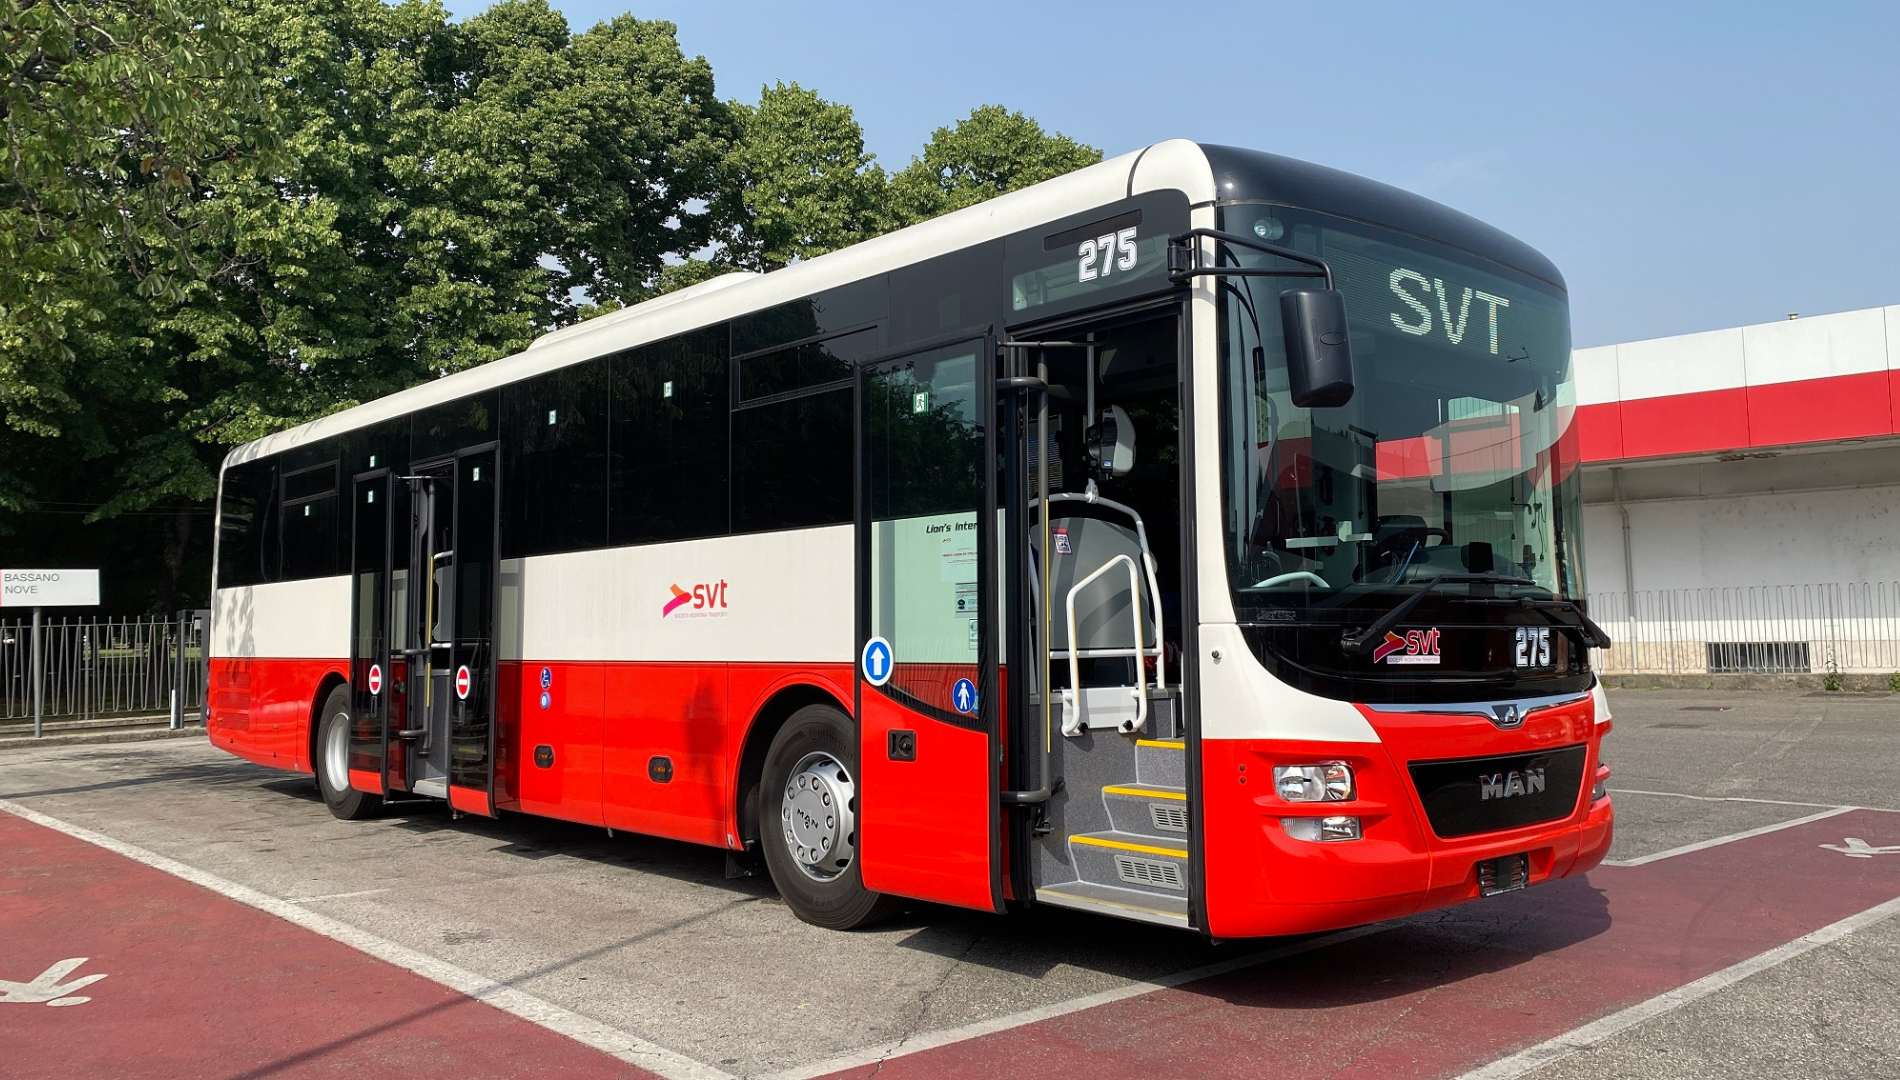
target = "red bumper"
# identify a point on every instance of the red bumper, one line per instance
(1261, 881)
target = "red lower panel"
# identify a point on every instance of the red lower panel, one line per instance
(471, 801)
(669, 736)
(1261, 881)
(260, 709)
(925, 826)
(367, 782)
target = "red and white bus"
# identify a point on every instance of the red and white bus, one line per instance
(1192, 538)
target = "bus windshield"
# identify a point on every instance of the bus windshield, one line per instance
(1457, 454)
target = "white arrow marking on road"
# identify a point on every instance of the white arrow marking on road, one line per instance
(47, 989)
(1855, 848)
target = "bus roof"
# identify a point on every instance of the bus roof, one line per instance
(1173, 165)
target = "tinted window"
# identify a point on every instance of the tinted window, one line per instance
(310, 538)
(454, 425)
(839, 309)
(669, 439)
(554, 475)
(791, 462)
(803, 367)
(246, 525)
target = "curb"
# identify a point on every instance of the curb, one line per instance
(78, 738)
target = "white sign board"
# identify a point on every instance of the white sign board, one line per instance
(49, 588)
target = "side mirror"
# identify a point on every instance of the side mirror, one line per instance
(1318, 354)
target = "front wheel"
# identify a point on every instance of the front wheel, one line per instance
(333, 761)
(808, 821)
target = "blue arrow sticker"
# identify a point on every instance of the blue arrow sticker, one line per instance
(963, 694)
(876, 661)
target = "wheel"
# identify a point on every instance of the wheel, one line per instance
(333, 761)
(808, 807)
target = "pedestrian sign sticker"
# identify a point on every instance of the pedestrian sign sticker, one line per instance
(463, 681)
(963, 695)
(375, 679)
(876, 661)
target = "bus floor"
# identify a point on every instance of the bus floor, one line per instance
(242, 932)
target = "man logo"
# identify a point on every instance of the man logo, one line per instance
(1509, 785)
(1507, 715)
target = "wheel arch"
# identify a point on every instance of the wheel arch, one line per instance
(313, 720)
(767, 719)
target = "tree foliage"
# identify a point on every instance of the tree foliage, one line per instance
(219, 218)
(988, 153)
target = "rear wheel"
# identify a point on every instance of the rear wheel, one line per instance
(808, 821)
(333, 760)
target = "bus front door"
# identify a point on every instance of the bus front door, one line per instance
(450, 660)
(928, 713)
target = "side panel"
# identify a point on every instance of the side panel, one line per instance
(921, 829)
(549, 745)
(271, 647)
(664, 761)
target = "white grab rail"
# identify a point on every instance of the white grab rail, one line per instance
(1072, 716)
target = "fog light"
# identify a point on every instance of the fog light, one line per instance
(1322, 830)
(1328, 781)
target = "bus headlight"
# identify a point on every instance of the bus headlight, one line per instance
(1328, 781)
(1322, 829)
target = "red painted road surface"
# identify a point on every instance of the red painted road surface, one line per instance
(1436, 996)
(200, 985)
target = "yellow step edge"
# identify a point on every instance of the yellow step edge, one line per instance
(1163, 744)
(1123, 845)
(1144, 793)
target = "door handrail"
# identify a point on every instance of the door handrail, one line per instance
(1071, 695)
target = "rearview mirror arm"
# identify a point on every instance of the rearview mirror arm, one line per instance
(1184, 258)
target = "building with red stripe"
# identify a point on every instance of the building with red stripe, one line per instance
(1742, 493)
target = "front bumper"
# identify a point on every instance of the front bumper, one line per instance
(1261, 881)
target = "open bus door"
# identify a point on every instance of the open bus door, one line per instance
(450, 664)
(929, 708)
(374, 682)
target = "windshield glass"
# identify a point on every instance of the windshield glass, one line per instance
(1456, 455)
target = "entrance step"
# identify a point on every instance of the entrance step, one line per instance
(1121, 903)
(1148, 809)
(1161, 763)
(1149, 865)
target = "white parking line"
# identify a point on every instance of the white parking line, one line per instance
(603, 1037)
(1703, 845)
(1746, 799)
(1591, 1034)
(933, 1039)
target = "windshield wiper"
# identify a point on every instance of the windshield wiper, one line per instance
(1360, 642)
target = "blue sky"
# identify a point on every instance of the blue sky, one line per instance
(1687, 167)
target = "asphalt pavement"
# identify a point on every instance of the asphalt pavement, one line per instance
(1735, 932)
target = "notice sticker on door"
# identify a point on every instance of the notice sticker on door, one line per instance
(1063, 547)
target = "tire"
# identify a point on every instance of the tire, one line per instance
(333, 760)
(815, 755)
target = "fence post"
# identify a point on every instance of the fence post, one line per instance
(178, 675)
(39, 676)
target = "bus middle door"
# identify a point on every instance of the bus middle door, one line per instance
(928, 715)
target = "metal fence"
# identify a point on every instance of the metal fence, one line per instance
(1845, 627)
(92, 668)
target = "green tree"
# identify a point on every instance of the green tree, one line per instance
(988, 153)
(130, 126)
(803, 177)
